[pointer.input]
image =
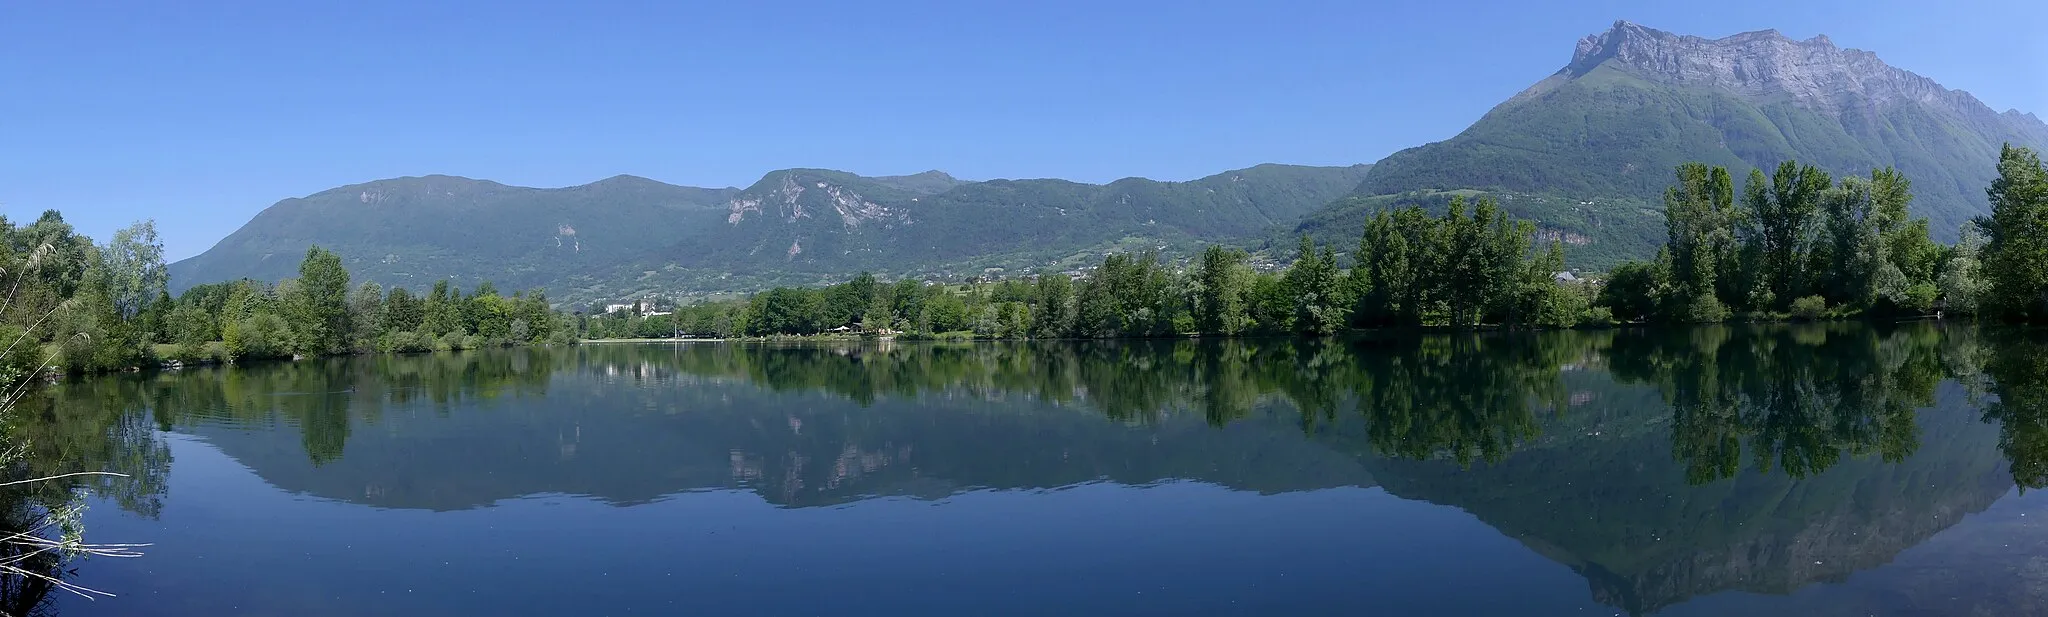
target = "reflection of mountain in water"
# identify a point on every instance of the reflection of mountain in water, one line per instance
(1608, 502)
(1647, 493)
(1661, 467)
(605, 430)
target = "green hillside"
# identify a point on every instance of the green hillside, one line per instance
(414, 231)
(808, 225)
(625, 236)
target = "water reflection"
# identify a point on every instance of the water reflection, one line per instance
(1660, 465)
(2017, 374)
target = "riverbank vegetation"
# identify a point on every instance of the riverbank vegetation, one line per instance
(83, 307)
(320, 313)
(1800, 245)
(1473, 265)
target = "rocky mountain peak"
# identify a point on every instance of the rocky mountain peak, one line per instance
(1765, 63)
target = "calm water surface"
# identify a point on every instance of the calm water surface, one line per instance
(1841, 470)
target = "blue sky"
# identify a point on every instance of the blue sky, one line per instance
(200, 114)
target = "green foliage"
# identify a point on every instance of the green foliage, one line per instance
(135, 266)
(943, 312)
(1319, 307)
(1700, 218)
(2016, 257)
(403, 312)
(1223, 282)
(1272, 305)
(1463, 269)
(1053, 315)
(1636, 289)
(1810, 308)
(1128, 297)
(1541, 300)
(785, 310)
(2018, 372)
(1962, 283)
(261, 336)
(318, 305)
(90, 331)
(1795, 235)
(1597, 232)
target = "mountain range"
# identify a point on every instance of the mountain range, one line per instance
(1585, 152)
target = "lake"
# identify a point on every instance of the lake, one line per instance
(1787, 470)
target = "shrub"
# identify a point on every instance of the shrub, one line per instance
(1598, 316)
(261, 336)
(23, 357)
(1705, 309)
(407, 342)
(189, 353)
(1810, 308)
(1920, 298)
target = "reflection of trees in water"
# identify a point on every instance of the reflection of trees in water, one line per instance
(2018, 375)
(1467, 396)
(321, 398)
(68, 429)
(1799, 398)
(27, 596)
(52, 432)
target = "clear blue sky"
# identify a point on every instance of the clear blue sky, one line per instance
(200, 114)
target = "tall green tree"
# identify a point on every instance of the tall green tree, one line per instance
(2016, 257)
(1222, 282)
(1389, 254)
(845, 304)
(365, 314)
(1700, 216)
(135, 269)
(318, 311)
(1313, 282)
(1783, 210)
(1960, 283)
(787, 310)
(403, 311)
(440, 313)
(1850, 261)
(92, 335)
(1054, 315)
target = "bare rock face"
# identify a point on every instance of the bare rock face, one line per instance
(1814, 73)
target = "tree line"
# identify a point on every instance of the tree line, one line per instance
(319, 313)
(1473, 265)
(1803, 245)
(88, 307)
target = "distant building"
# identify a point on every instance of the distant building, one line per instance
(1565, 277)
(646, 307)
